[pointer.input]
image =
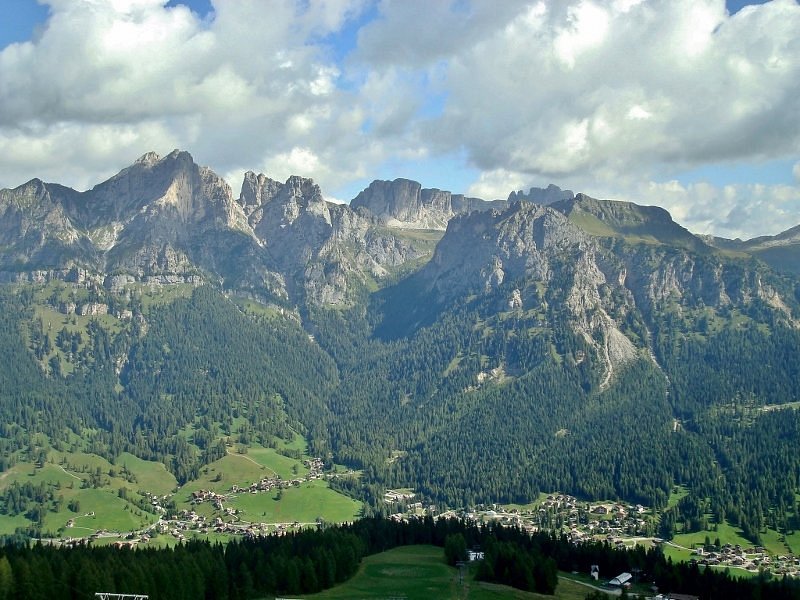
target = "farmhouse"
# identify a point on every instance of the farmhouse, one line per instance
(621, 579)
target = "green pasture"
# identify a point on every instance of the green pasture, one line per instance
(420, 573)
(676, 494)
(727, 534)
(303, 504)
(220, 475)
(275, 463)
(100, 509)
(150, 476)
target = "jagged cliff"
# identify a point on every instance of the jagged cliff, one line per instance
(328, 249)
(168, 220)
(609, 270)
(406, 204)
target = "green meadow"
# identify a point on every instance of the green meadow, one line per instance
(94, 494)
(303, 504)
(420, 573)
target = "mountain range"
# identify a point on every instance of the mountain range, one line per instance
(474, 350)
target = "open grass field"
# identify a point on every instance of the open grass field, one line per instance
(298, 444)
(9, 524)
(771, 541)
(675, 495)
(297, 504)
(420, 573)
(676, 554)
(220, 475)
(78, 462)
(793, 541)
(26, 473)
(109, 511)
(726, 533)
(283, 466)
(150, 476)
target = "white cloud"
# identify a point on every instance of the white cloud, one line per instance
(244, 88)
(796, 172)
(497, 184)
(713, 88)
(587, 27)
(736, 210)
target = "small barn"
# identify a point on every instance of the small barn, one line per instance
(621, 579)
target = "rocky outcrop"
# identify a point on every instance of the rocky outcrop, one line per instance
(35, 227)
(529, 249)
(168, 220)
(545, 196)
(403, 203)
(484, 249)
(329, 251)
(532, 257)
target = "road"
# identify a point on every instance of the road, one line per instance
(610, 592)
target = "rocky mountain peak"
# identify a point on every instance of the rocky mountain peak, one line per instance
(397, 200)
(405, 204)
(483, 249)
(549, 195)
(629, 221)
(257, 190)
(148, 158)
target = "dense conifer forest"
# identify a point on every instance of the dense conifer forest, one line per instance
(405, 409)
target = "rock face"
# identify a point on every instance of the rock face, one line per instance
(482, 250)
(519, 252)
(535, 259)
(545, 196)
(167, 220)
(35, 227)
(406, 204)
(150, 219)
(330, 250)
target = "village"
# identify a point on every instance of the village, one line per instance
(623, 525)
(616, 523)
(224, 520)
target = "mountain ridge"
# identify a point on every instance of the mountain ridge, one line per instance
(169, 218)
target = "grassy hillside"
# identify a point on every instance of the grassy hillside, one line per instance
(420, 573)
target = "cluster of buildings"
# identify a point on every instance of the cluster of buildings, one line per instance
(613, 522)
(753, 559)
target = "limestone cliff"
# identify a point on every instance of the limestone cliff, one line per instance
(327, 252)
(403, 203)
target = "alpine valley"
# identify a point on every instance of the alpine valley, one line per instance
(471, 351)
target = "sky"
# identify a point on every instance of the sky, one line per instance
(692, 105)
